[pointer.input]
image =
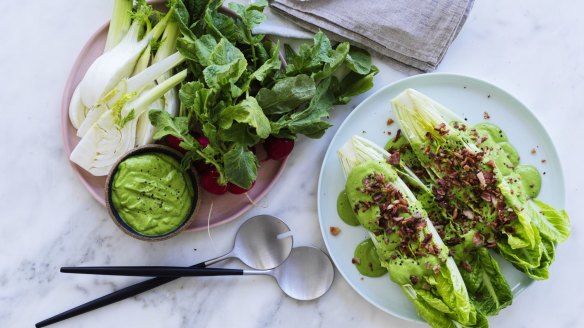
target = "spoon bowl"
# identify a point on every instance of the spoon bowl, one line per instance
(262, 242)
(307, 274)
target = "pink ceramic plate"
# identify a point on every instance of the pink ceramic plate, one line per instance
(225, 208)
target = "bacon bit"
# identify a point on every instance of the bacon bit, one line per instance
(533, 151)
(543, 160)
(486, 116)
(468, 213)
(388, 133)
(397, 135)
(481, 140)
(421, 225)
(452, 241)
(441, 128)
(394, 158)
(335, 231)
(482, 180)
(436, 269)
(356, 260)
(413, 279)
(427, 150)
(486, 196)
(397, 218)
(477, 239)
(390, 121)
(489, 177)
(466, 266)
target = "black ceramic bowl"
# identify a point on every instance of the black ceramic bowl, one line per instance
(114, 213)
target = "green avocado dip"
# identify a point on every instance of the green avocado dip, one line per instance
(524, 180)
(345, 210)
(152, 194)
(367, 261)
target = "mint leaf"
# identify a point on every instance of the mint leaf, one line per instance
(240, 166)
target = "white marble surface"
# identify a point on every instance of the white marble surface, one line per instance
(534, 49)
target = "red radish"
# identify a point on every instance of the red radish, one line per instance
(278, 148)
(210, 183)
(203, 167)
(235, 189)
(203, 141)
(174, 143)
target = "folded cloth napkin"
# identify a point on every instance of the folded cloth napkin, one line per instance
(414, 33)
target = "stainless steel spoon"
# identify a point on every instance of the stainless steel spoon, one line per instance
(307, 273)
(262, 242)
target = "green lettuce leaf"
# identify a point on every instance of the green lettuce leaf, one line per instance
(522, 258)
(485, 282)
(552, 223)
(452, 290)
(431, 315)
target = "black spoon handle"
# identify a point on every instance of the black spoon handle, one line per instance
(111, 298)
(153, 271)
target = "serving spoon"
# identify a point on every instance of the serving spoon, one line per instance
(262, 242)
(307, 274)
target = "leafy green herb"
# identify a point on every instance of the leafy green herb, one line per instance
(238, 94)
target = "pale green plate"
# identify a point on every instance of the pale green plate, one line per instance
(468, 97)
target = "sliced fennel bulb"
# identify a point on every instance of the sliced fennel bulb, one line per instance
(145, 131)
(119, 25)
(106, 141)
(103, 145)
(77, 111)
(136, 84)
(118, 62)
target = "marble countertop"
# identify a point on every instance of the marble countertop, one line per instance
(532, 49)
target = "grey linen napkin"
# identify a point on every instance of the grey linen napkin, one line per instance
(415, 33)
